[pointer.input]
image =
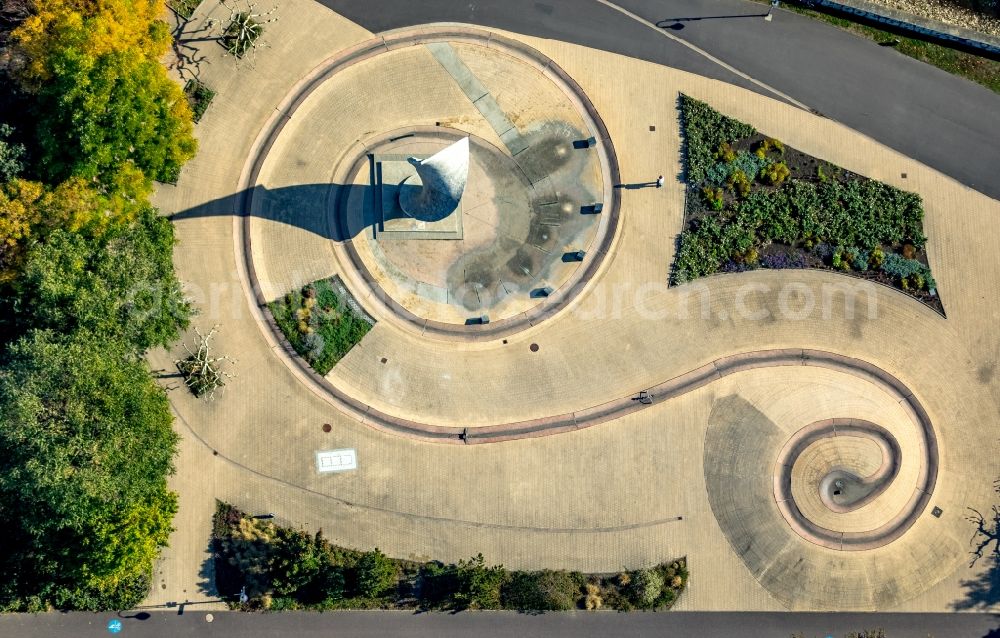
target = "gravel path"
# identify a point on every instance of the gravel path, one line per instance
(947, 12)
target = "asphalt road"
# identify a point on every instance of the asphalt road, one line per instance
(501, 625)
(942, 120)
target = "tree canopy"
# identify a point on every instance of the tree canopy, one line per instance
(87, 285)
(122, 287)
(102, 98)
(85, 447)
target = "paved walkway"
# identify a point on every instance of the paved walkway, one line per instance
(606, 497)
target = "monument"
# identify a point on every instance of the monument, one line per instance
(435, 191)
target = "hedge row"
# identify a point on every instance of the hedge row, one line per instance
(283, 568)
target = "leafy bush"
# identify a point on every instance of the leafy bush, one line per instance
(739, 183)
(718, 173)
(478, 586)
(910, 273)
(11, 155)
(776, 173)
(438, 582)
(714, 197)
(295, 562)
(749, 164)
(725, 153)
(320, 325)
(184, 8)
(704, 130)
(783, 260)
(769, 145)
(375, 574)
(199, 97)
(645, 587)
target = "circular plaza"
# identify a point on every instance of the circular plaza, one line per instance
(528, 341)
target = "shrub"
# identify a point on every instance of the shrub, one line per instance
(768, 145)
(375, 574)
(725, 153)
(438, 582)
(320, 325)
(11, 155)
(645, 588)
(704, 130)
(545, 590)
(739, 183)
(857, 258)
(592, 596)
(776, 173)
(750, 164)
(199, 97)
(248, 547)
(184, 8)
(900, 267)
(714, 197)
(328, 586)
(876, 258)
(478, 586)
(783, 260)
(296, 561)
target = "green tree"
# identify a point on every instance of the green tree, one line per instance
(102, 98)
(376, 574)
(479, 585)
(296, 561)
(29, 211)
(122, 287)
(85, 447)
(11, 155)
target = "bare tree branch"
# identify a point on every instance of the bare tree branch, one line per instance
(241, 36)
(203, 374)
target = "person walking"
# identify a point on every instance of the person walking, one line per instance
(659, 181)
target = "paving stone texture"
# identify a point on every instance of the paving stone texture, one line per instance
(632, 491)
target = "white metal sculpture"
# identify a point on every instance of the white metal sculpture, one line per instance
(435, 191)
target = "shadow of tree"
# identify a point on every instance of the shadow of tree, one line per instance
(206, 574)
(982, 592)
(184, 37)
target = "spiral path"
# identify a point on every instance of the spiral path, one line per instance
(735, 463)
(842, 491)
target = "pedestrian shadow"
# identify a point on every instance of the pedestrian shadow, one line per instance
(636, 185)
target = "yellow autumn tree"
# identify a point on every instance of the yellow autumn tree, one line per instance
(102, 100)
(30, 210)
(93, 28)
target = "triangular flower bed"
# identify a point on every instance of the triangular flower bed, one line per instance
(753, 202)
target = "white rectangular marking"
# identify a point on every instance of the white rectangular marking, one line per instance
(336, 460)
